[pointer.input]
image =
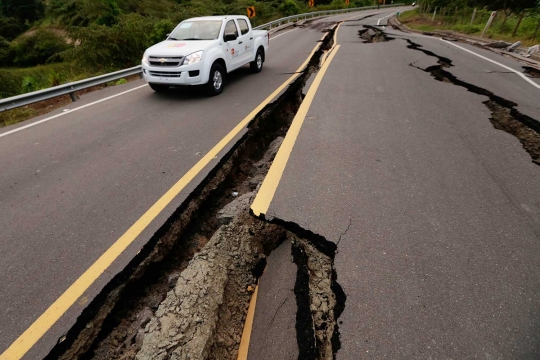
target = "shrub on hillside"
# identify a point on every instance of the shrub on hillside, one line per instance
(41, 77)
(160, 31)
(362, 3)
(37, 48)
(10, 28)
(4, 52)
(117, 46)
(23, 10)
(289, 8)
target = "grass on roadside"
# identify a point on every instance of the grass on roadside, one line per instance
(15, 81)
(460, 22)
(16, 115)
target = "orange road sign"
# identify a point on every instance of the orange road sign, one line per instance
(347, 2)
(311, 3)
(251, 12)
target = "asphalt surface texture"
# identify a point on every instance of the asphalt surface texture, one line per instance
(71, 186)
(435, 213)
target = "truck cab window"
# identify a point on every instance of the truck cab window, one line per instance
(230, 28)
(244, 28)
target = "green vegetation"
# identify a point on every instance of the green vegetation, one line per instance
(15, 81)
(457, 16)
(16, 116)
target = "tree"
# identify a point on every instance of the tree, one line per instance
(23, 10)
(10, 28)
(37, 48)
(289, 7)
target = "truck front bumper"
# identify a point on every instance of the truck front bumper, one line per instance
(183, 75)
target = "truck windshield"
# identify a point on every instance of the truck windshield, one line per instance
(197, 30)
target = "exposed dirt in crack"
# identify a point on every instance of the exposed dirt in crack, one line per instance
(203, 316)
(322, 299)
(305, 330)
(532, 71)
(372, 34)
(502, 119)
(112, 326)
(319, 297)
(504, 115)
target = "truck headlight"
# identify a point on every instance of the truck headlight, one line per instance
(193, 58)
(145, 59)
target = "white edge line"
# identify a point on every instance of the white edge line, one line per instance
(68, 112)
(379, 21)
(355, 15)
(494, 62)
(286, 32)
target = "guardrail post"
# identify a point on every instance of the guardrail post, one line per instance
(72, 95)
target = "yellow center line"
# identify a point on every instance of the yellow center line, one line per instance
(246, 333)
(36, 331)
(269, 186)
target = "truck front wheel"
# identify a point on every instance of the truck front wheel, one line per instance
(257, 65)
(215, 80)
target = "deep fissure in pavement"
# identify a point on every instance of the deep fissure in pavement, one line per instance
(504, 115)
(319, 297)
(112, 326)
(532, 71)
(360, 19)
(372, 34)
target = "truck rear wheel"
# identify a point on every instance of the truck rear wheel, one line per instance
(215, 80)
(159, 87)
(257, 65)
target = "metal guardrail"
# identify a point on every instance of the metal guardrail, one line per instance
(65, 89)
(314, 14)
(70, 88)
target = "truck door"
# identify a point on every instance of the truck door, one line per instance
(232, 47)
(246, 41)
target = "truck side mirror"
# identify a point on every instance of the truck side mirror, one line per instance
(230, 37)
(167, 35)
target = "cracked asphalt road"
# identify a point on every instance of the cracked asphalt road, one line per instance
(441, 257)
(72, 186)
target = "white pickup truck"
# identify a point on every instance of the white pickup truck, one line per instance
(201, 51)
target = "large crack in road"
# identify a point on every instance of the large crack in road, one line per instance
(185, 295)
(504, 114)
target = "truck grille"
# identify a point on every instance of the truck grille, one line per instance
(169, 74)
(165, 60)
